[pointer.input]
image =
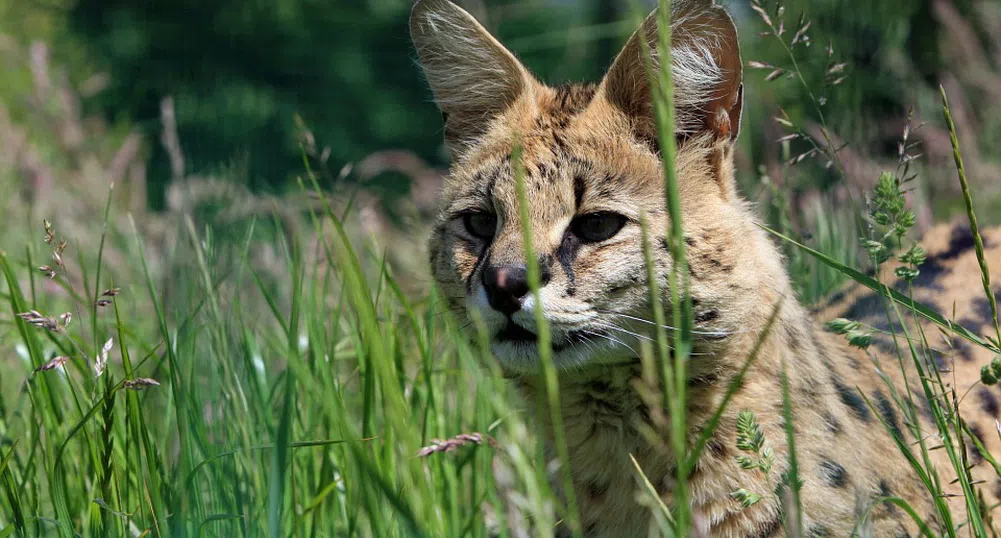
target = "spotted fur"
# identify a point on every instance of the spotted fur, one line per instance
(592, 149)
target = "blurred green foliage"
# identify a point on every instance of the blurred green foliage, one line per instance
(240, 71)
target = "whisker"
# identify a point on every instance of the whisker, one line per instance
(458, 311)
(716, 334)
(614, 327)
(610, 338)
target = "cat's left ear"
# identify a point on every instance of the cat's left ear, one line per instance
(705, 67)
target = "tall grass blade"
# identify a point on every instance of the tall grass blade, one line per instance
(280, 460)
(978, 241)
(10, 454)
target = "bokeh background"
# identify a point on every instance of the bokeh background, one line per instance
(93, 78)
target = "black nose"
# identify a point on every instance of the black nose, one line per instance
(506, 285)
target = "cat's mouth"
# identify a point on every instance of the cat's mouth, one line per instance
(512, 332)
(515, 334)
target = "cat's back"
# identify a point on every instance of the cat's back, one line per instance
(950, 282)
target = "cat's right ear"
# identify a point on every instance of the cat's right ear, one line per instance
(473, 77)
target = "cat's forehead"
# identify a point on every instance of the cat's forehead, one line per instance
(569, 143)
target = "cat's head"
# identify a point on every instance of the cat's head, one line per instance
(592, 169)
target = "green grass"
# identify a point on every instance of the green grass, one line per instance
(291, 413)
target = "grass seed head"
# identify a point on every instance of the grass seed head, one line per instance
(458, 441)
(140, 383)
(35, 318)
(52, 364)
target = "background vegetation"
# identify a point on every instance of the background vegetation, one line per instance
(241, 297)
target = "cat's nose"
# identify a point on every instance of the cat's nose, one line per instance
(507, 285)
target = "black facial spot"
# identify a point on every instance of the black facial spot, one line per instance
(566, 254)
(851, 398)
(469, 245)
(578, 192)
(888, 412)
(544, 171)
(545, 268)
(689, 241)
(833, 474)
(484, 258)
(707, 316)
(584, 165)
(560, 148)
(664, 245)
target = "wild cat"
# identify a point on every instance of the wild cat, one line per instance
(592, 167)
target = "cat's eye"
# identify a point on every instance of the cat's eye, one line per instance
(481, 225)
(596, 227)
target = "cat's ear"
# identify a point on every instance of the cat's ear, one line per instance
(473, 77)
(706, 70)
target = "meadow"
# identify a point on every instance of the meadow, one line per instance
(248, 363)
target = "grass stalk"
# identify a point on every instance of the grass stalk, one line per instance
(978, 240)
(545, 349)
